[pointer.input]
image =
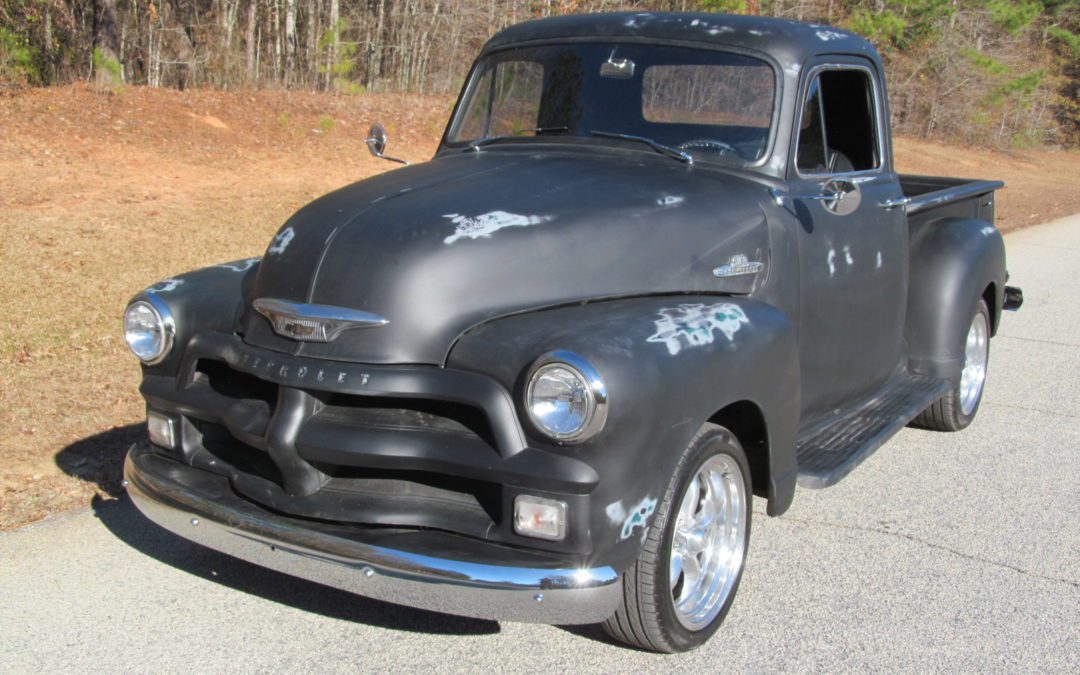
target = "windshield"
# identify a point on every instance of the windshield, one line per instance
(713, 105)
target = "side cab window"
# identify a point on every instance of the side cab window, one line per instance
(837, 130)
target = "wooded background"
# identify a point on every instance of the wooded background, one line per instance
(998, 72)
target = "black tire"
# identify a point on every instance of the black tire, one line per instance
(646, 616)
(947, 413)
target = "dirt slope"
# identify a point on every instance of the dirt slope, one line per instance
(101, 195)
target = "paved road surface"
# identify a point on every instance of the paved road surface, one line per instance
(942, 552)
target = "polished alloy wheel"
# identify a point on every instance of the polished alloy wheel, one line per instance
(976, 355)
(708, 542)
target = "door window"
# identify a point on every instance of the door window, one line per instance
(838, 129)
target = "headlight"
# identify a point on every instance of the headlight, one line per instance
(149, 329)
(565, 398)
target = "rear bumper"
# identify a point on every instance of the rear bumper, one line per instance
(424, 569)
(1012, 299)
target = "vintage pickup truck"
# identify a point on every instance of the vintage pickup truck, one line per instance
(659, 265)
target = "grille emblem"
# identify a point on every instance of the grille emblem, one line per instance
(313, 323)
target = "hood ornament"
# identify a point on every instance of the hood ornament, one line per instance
(313, 323)
(739, 266)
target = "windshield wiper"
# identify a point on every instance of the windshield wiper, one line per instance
(493, 139)
(674, 153)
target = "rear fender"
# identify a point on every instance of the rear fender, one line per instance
(953, 261)
(669, 364)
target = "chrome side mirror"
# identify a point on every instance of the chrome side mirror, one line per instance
(846, 196)
(839, 196)
(376, 143)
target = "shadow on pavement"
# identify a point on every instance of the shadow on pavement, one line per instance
(122, 519)
(100, 458)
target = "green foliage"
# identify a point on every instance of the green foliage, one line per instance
(104, 63)
(1014, 15)
(17, 59)
(878, 27)
(340, 71)
(1069, 39)
(987, 64)
(899, 25)
(1018, 89)
(723, 6)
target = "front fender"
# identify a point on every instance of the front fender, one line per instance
(953, 261)
(669, 363)
(206, 299)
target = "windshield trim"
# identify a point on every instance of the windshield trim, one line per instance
(472, 79)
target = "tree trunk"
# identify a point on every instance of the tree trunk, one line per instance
(249, 39)
(106, 42)
(335, 36)
(290, 40)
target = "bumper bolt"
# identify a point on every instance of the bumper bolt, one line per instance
(368, 572)
(539, 597)
(194, 521)
(123, 483)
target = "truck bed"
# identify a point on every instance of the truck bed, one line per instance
(937, 196)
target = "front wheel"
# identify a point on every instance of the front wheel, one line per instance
(680, 589)
(957, 409)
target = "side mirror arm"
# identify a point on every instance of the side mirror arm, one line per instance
(376, 143)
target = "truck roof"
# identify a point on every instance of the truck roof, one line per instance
(789, 42)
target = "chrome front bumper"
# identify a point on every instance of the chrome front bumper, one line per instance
(202, 507)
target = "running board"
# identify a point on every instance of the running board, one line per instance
(829, 449)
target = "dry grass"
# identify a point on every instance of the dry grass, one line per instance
(103, 195)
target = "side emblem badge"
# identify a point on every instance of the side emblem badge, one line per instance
(738, 266)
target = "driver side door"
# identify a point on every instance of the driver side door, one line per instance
(853, 249)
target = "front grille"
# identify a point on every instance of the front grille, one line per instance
(406, 415)
(234, 384)
(361, 444)
(219, 442)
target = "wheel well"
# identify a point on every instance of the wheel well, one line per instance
(744, 419)
(990, 296)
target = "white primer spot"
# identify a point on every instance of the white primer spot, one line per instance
(637, 516)
(827, 35)
(487, 224)
(832, 262)
(242, 266)
(669, 200)
(987, 230)
(877, 264)
(847, 256)
(281, 241)
(166, 286)
(688, 326)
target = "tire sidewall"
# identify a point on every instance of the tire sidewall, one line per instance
(715, 440)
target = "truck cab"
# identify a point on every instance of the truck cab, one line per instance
(660, 265)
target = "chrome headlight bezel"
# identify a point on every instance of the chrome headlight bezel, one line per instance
(592, 384)
(165, 326)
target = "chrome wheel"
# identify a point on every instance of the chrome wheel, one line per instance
(976, 355)
(708, 543)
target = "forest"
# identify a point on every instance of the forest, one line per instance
(999, 73)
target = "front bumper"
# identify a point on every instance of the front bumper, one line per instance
(425, 569)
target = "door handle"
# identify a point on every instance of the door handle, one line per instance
(893, 203)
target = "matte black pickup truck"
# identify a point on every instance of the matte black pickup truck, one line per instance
(660, 265)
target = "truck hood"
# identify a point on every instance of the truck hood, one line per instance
(439, 247)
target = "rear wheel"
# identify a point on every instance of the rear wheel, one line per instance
(680, 589)
(957, 409)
